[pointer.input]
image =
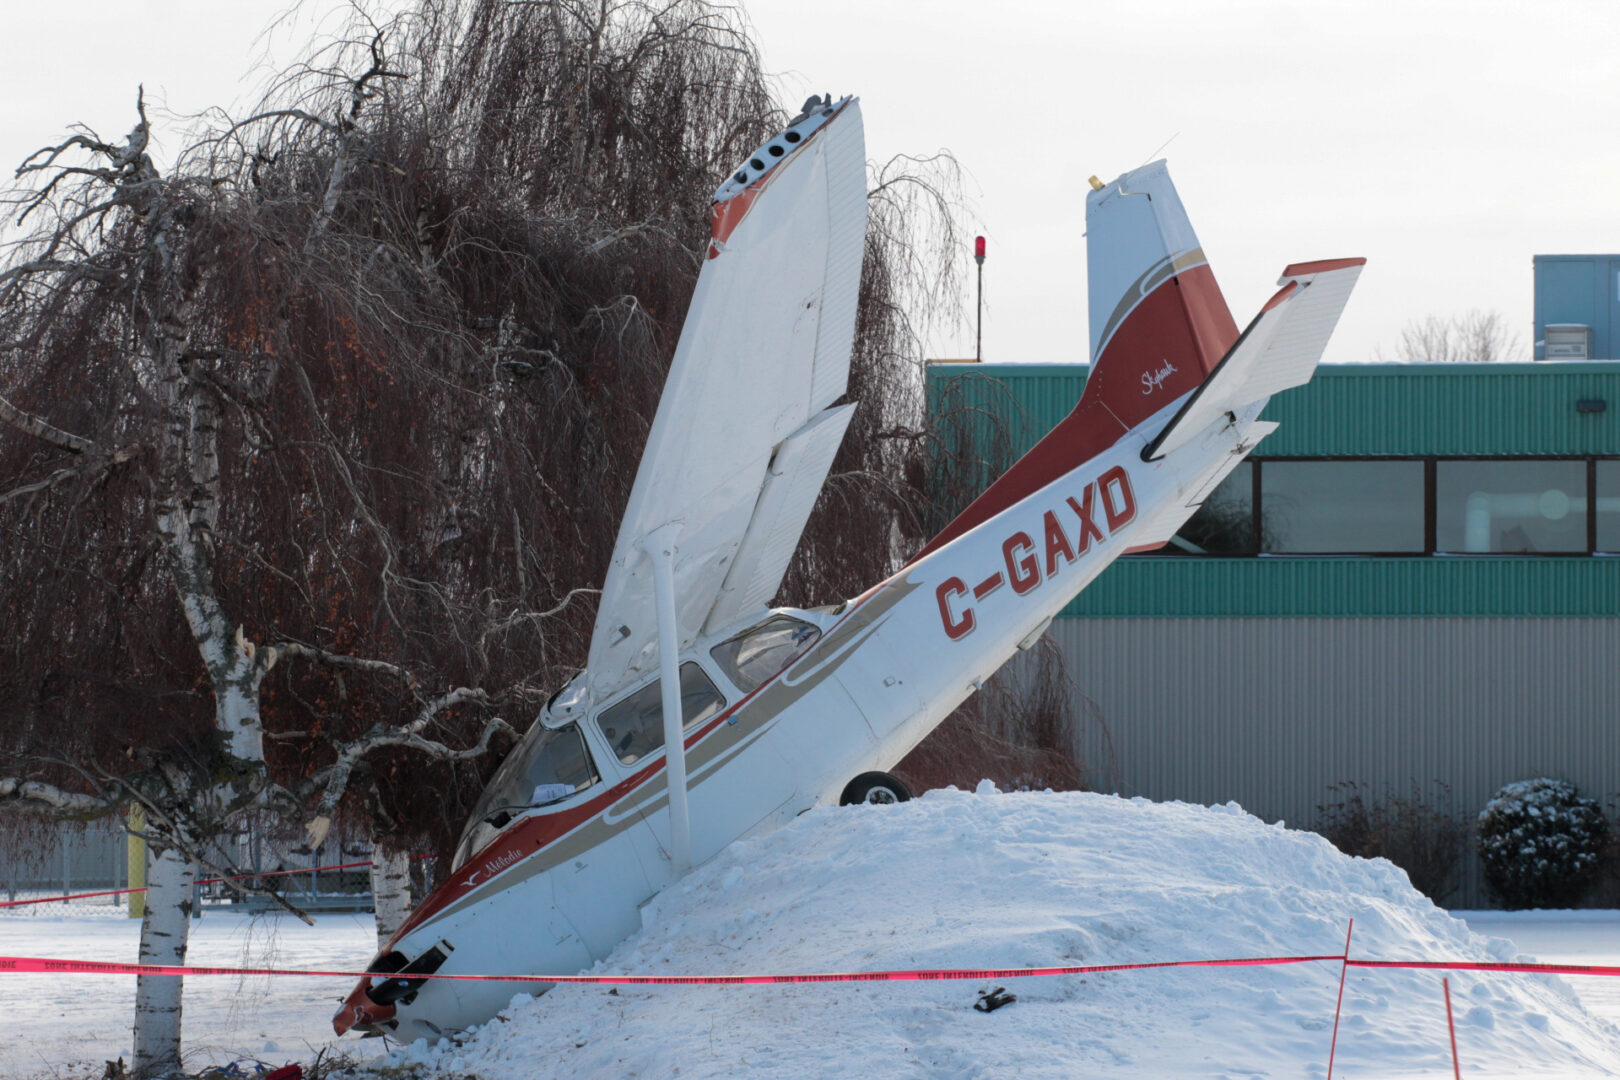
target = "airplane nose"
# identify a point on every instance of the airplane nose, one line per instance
(359, 1011)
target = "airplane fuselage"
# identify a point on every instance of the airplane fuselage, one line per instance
(555, 888)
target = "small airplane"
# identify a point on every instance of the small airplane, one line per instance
(609, 798)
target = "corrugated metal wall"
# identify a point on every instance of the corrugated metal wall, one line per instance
(1270, 712)
(1448, 410)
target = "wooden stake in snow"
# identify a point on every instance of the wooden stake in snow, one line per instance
(1451, 1028)
(1343, 969)
(137, 862)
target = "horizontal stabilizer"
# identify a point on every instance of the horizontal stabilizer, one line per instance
(1280, 349)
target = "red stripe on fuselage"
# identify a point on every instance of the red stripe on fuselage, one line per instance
(528, 836)
(729, 214)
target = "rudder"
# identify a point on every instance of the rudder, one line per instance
(1159, 325)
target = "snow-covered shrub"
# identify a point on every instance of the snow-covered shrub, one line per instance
(1542, 843)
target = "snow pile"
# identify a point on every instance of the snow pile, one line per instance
(990, 880)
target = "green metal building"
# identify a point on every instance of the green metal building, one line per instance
(1415, 579)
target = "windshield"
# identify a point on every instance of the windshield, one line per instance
(548, 765)
(756, 654)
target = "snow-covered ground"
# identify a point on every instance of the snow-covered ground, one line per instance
(963, 880)
(949, 880)
(1563, 937)
(62, 1026)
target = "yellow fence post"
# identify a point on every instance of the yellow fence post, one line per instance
(137, 862)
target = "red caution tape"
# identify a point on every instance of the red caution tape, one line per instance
(67, 896)
(1467, 965)
(46, 965)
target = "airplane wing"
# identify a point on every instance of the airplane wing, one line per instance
(743, 437)
(1278, 350)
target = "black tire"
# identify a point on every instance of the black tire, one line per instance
(874, 787)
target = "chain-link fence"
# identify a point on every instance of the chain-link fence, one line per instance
(54, 868)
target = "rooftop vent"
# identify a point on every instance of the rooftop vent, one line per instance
(1569, 341)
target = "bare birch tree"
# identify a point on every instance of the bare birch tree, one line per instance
(313, 443)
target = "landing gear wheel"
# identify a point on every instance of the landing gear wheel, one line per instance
(874, 787)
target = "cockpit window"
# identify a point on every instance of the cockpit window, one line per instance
(756, 654)
(548, 765)
(635, 726)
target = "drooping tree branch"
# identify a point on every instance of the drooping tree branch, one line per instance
(41, 428)
(334, 781)
(34, 797)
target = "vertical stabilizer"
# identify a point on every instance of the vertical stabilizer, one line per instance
(1159, 325)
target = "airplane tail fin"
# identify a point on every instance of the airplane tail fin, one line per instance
(1159, 326)
(1159, 323)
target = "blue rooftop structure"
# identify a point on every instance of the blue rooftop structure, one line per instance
(1575, 291)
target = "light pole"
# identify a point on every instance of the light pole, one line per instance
(978, 330)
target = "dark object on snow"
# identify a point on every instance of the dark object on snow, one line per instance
(287, 1072)
(995, 999)
(874, 787)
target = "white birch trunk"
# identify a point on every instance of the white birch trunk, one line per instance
(187, 507)
(164, 930)
(391, 889)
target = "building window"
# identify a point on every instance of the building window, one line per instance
(1342, 506)
(1224, 524)
(1608, 506)
(1405, 506)
(1512, 507)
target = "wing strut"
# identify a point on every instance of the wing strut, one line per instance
(660, 547)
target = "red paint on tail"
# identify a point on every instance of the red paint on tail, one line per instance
(1165, 347)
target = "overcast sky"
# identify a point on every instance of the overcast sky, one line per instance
(1447, 142)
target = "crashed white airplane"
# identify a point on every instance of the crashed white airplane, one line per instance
(784, 709)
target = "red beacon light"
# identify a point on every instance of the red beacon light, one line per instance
(978, 250)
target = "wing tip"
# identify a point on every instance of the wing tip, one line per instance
(1320, 266)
